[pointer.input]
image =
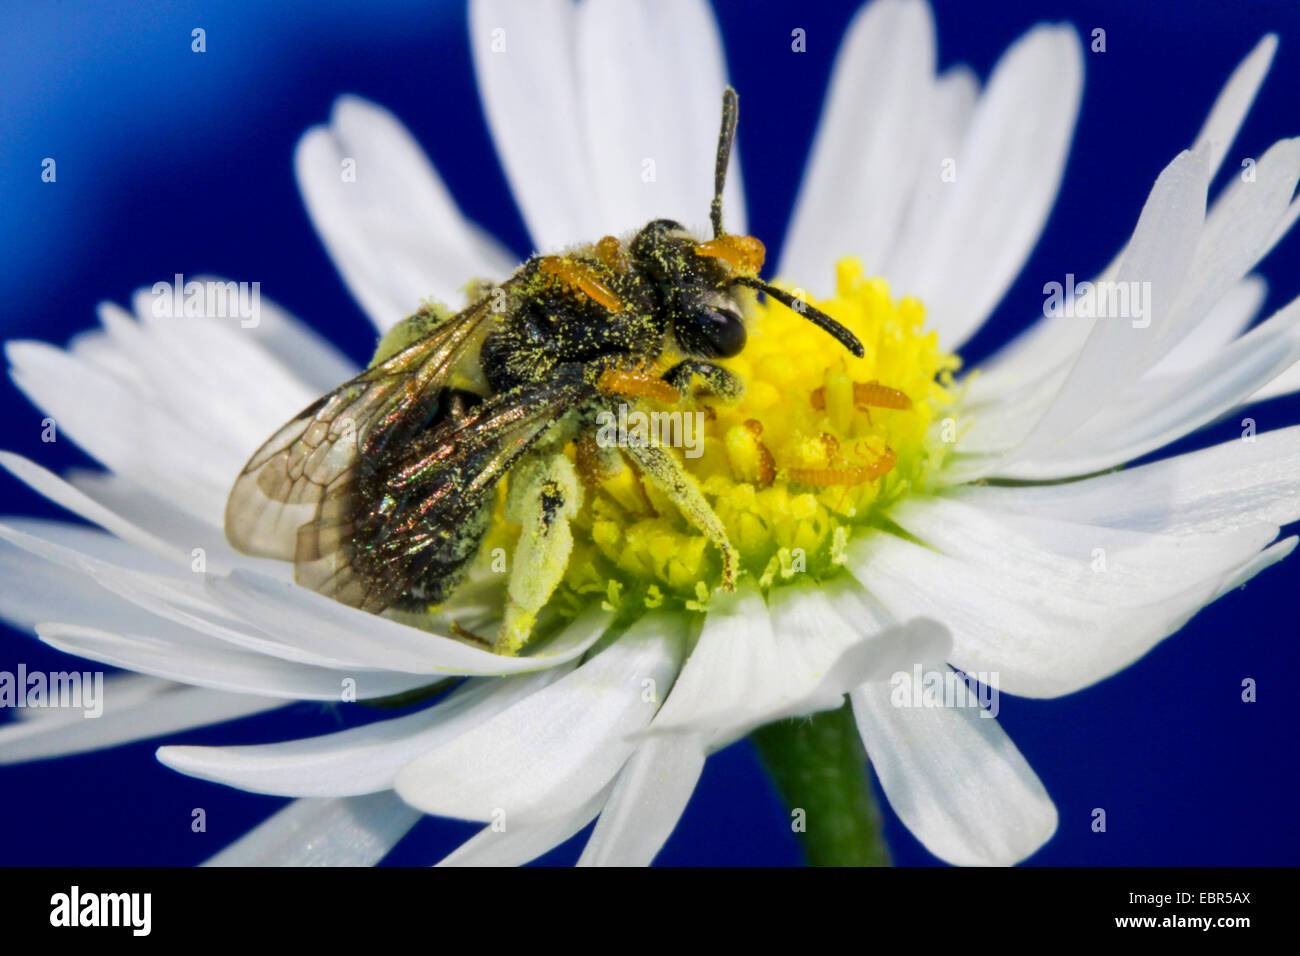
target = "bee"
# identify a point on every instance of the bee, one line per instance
(381, 491)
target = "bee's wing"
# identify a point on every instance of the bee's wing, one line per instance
(317, 453)
(418, 516)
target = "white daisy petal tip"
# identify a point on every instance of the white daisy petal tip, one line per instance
(645, 803)
(857, 181)
(1012, 151)
(517, 845)
(1234, 100)
(389, 223)
(353, 831)
(955, 779)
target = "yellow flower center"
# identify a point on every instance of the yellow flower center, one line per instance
(819, 446)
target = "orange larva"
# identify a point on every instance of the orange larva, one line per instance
(866, 393)
(879, 396)
(849, 475)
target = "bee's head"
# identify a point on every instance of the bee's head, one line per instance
(711, 324)
(696, 281)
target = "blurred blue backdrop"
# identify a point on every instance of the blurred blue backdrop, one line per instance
(171, 162)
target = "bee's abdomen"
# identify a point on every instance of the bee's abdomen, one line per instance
(445, 565)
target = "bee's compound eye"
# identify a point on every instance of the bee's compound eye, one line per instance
(716, 333)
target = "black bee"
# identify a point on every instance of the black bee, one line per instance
(381, 491)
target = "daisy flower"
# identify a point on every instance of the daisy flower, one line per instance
(893, 513)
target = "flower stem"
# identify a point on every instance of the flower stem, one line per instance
(819, 767)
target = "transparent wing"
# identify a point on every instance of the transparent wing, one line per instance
(315, 457)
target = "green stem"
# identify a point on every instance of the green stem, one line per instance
(819, 767)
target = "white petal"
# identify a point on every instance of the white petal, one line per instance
(131, 596)
(60, 602)
(125, 690)
(207, 371)
(133, 434)
(391, 227)
(360, 760)
(299, 348)
(37, 588)
(553, 751)
(517, 844)
(1265, 559)
(170, 708)
(834, 643)
(952, 104)
(302, 618)
(1233, 485)
(1240, 229)
(648, 799)
(752, 666)
(177, 403)
(177, 654)
(1286, 223)
(1008, 173)
(1134, 415)
(1004, 401)
(994, 428)
(174, 597)
(524, 59)
(1230, 317)
(1233, 102)
(867, 151)
(163, 521)
(1152, 414)
(732, 666)
(670, 121)
(1117, 352)
(1109, 566)
(355, 831)
(1048, 343)
(955, 779)
(810, 639)
(1284, 384)
(173, 537)
(1044, 635)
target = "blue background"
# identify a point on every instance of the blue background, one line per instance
(170, 161)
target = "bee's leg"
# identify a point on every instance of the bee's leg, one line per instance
(668, 475)
(544, 496)
(714, 380)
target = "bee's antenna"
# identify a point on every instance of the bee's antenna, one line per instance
(726, 135)
(810, 312)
